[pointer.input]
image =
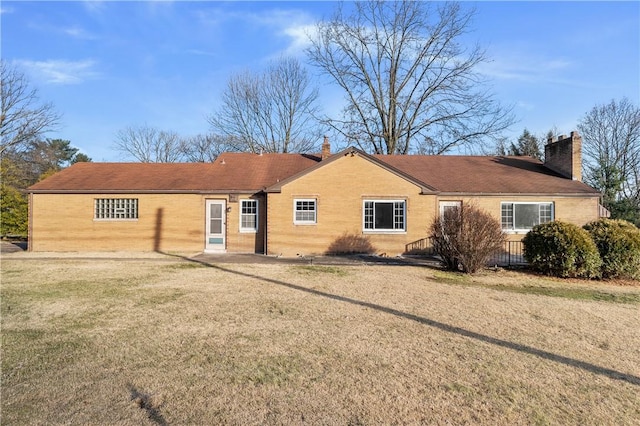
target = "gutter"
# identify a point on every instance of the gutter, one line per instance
(520, 194)
(143, 191)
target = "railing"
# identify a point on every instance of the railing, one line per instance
(422, 246)
(511, 255)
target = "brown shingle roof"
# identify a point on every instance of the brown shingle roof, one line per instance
(230, 172)
(252, 172)
(485, 174)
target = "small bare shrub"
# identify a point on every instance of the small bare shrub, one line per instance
(466, 238)
(351, 243)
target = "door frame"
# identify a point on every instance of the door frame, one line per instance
(215, 242)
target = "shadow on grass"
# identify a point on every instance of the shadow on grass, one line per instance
(596, 369)
(145, 402)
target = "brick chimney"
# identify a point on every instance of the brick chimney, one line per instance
(326, 148)
(564, 155)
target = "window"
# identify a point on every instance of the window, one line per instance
(116, 208)
(524, 216)
(384, 215)
(446, 206)
(449, 214)
(248, 215)
(304, 211)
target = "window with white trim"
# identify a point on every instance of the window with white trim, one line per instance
(524, 216)
(116, 208)
(446, 206)
(384, 215)
(248, 215)
(305, 211)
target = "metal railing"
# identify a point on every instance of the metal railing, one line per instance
(421, 246)
(511, 255)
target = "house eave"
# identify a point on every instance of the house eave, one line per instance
(144, 191)
(520, 194)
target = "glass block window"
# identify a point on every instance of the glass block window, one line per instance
(116, 208)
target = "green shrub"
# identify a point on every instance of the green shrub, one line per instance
(563, 250)
(466, 239)
(618, 242)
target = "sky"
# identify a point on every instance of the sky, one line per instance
(106, 65)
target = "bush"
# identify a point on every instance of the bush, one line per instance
(466, 239)
(563, 250)
(618, 242)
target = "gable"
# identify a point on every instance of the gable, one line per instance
(349, 168)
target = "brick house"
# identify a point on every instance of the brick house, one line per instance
(291, 204)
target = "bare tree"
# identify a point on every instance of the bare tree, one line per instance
(149, 145)
(23, 118)
(409, 82)
(611, 149)
(269, 112)
(205, 148)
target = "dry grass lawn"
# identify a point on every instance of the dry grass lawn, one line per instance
(162, 341)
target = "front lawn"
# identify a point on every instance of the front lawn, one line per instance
(157, 341)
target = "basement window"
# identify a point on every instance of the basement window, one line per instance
(524, 216)
(116, 208)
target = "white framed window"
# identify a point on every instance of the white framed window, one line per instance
(518, 216)
(446, 206)
(115, 208)
(248, 215)
(305, 211)
(384, 215)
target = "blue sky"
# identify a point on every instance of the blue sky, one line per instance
(106, 65)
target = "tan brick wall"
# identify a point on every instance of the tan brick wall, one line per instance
(245, 242)
(176, 222)
(567, 209)
(340, 188)
(166, 222)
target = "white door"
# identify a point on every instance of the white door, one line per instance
(216, 226)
